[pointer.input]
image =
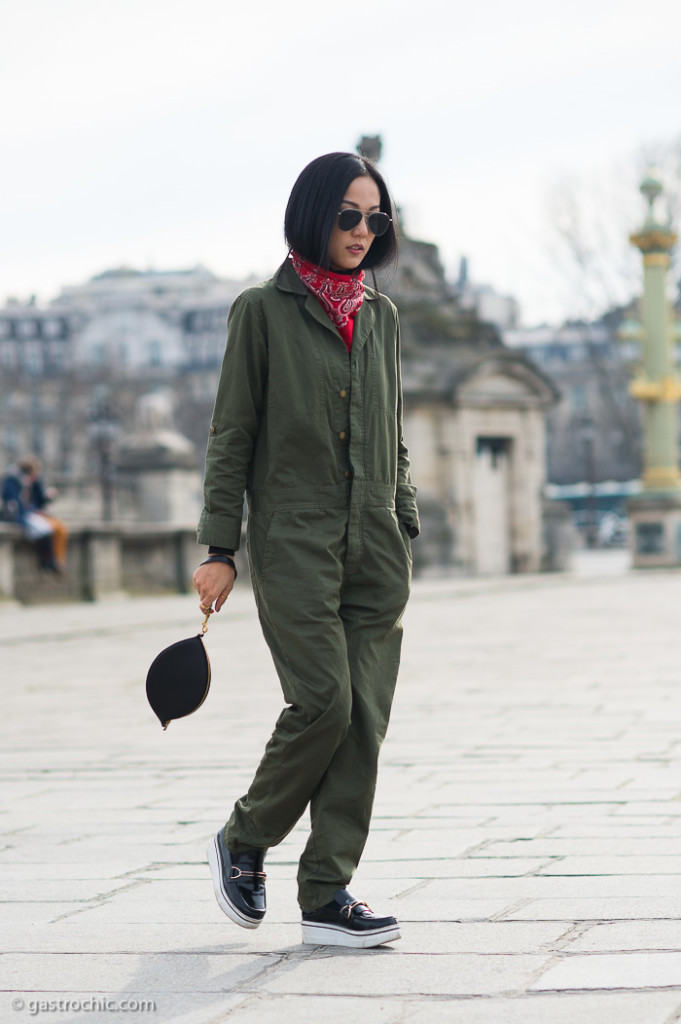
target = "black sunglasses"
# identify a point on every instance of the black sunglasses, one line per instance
(378, 223)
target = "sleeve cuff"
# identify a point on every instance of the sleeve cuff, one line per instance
(219, 530)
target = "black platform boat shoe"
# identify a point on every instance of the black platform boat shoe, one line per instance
(239, 882)
(346, 921)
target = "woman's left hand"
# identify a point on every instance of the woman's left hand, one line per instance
(213, 582)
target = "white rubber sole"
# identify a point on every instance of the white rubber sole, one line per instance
(335, 935)
(220, 895)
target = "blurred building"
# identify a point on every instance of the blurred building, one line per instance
(62, 362)
(594, 432)
(474, 422)
(78, 376)
(487, 303)
(131, 320)
(36, 348)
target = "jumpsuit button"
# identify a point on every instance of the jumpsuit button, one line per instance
(342, 435)
(343, 393)
(348, 474)
(213, 429)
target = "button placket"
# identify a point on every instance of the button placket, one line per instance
(343, 394)
(354, 397)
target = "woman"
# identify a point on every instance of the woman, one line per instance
(308, 422)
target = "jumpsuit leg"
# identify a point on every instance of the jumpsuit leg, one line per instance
(373, 598)
(335, 638)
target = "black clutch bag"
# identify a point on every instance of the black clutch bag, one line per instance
(178, 679)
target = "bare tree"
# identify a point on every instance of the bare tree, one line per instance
(591, 218)
(590, 222)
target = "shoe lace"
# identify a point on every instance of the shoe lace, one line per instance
(349, 907)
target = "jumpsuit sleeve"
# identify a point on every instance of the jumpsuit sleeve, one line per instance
(234, 426)
(405, 492)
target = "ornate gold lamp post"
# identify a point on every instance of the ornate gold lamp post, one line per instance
(656, 513)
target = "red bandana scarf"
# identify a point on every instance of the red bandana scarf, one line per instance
(341, 295)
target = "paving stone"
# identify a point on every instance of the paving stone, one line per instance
(660, 829)
(136, 912)
(595, 909)
(614, 865)
(40, 913)
(390, 973)
(219, 935)
(21, 871)
(615, 847)
(481, 937)
(446, 867)
(138, 973)
(646, 809)
(627, 935)
(587, 1008)
(613, 971)
(450, 890)
(33, 890)
(543, 814)
(262, 1008)
(411, 908)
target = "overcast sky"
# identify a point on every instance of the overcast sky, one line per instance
(164, 133)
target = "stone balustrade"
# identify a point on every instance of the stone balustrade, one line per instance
(104, 560)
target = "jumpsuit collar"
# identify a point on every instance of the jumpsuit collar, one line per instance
(287, 280)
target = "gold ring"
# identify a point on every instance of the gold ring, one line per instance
(203, 608)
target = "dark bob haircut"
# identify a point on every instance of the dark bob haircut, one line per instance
(315, 200)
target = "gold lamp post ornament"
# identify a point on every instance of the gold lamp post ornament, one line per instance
(657, 385)
(655, 513)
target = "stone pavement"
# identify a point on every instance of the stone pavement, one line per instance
(527, 830)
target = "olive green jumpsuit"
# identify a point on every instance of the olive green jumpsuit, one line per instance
(313, 435)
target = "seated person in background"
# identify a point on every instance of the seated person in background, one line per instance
(24, 498)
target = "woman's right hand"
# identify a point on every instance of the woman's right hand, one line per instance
(213, 582)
